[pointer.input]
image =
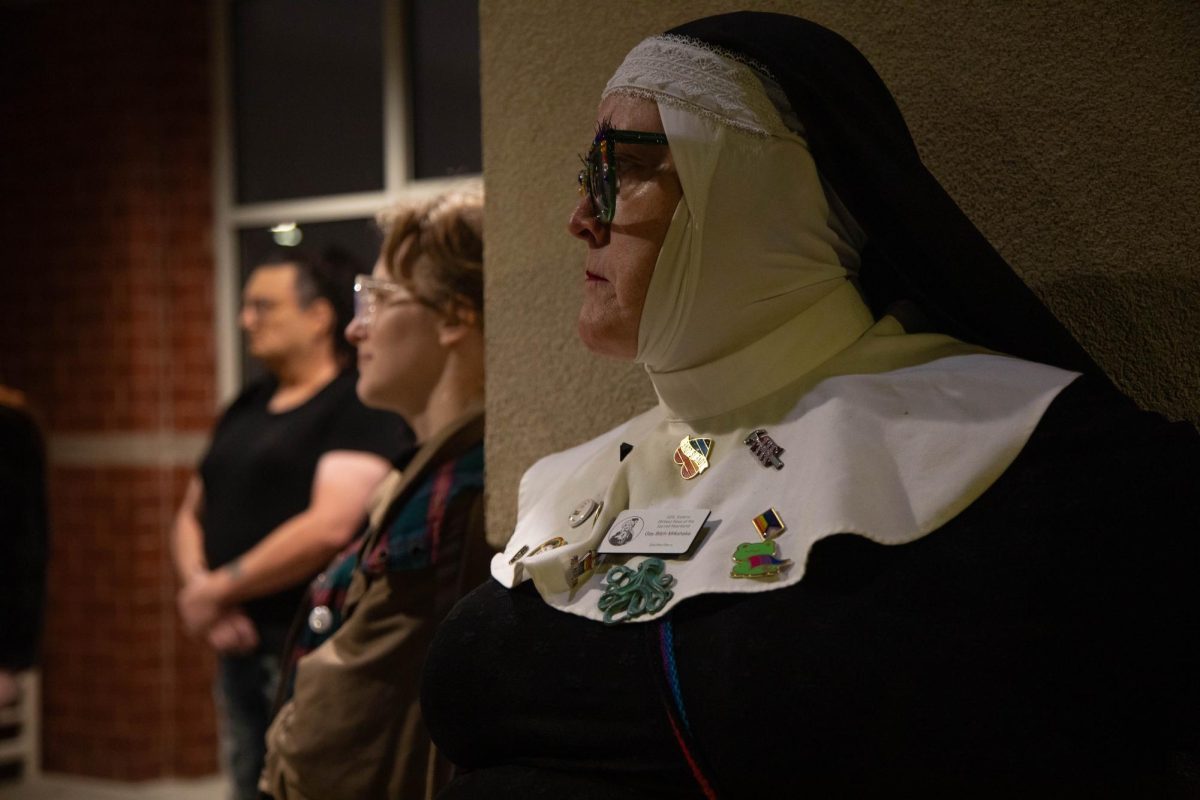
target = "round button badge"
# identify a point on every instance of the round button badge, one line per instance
(320, 619)
(582, 512)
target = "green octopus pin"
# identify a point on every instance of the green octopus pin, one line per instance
(636, 592)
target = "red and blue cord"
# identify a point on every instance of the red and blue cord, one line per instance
(666, 641)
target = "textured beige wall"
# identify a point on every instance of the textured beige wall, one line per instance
(1067, 131)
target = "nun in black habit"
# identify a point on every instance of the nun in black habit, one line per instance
(897, 534)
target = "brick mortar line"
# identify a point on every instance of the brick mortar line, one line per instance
(126, 449)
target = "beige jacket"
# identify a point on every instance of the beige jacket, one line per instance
(353, 727)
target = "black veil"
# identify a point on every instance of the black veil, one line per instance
(922, 247)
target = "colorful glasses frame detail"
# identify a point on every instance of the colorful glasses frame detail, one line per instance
(598, 178)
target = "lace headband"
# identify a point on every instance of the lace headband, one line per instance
(710, 81)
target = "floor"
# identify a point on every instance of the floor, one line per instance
(15, 718)
(53, 787)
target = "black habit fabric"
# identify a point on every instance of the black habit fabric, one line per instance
(1041, 644)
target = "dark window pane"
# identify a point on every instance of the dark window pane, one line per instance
(308, 97)
(352, 244)
(444, 72)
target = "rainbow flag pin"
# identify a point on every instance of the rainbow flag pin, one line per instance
(769, 524)
(692, 456)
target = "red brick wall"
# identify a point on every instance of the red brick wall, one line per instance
(106, 319)
(126, 696)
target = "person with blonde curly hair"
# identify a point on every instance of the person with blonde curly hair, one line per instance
(352, 725)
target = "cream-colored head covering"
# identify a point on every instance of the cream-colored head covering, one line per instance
(754, 244)
(752, 321)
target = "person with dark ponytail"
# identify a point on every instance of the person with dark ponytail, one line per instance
(282, 488)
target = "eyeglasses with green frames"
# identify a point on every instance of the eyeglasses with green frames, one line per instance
(598, 178)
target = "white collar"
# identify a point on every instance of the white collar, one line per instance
(889, 455)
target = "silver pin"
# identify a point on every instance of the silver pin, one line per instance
(764, 448)
(582, 512)
(320, 619)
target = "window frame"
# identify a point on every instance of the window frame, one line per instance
(229, 215)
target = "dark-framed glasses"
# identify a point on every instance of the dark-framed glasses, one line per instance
(258, 306)
(598, 178)
(369, 292)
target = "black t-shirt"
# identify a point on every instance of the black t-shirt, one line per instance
(259, 470)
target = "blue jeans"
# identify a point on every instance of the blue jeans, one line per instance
(245, 695)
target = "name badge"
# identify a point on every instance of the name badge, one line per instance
(658, 532)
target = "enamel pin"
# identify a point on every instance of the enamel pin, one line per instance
(550, 544)
(629, 594)
(582, 512)
(757, 560)
(769, 524)
(580, 568)
(763, 448)
(692, 456)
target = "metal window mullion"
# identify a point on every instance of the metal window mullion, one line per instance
(336, 207)
(397, 109)
(225, 283)
(308, 209)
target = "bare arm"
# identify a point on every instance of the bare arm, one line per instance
(297, 548)
(187, 537)
(306, 542)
